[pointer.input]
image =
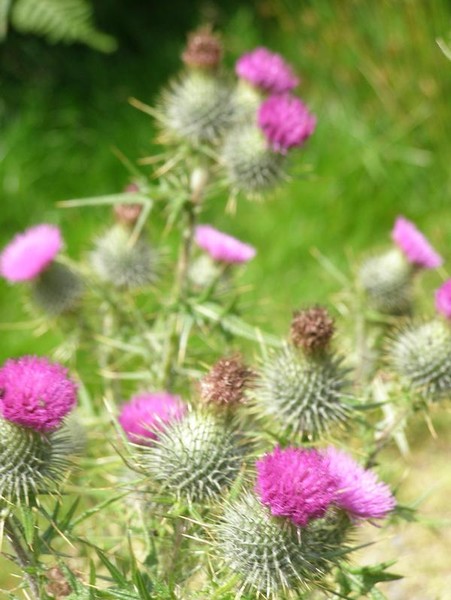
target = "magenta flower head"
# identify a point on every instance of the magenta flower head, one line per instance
(146, 414)
(359, 492)
(295, 483)
(222, 247)
(30, 253)
(35, 393)
(286, 122)
(267, 71)
(443, 299)
(414, 245)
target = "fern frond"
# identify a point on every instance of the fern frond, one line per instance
(65, 21)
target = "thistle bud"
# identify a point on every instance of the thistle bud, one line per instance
(194, 459)
(198, 107)
(304, 393)
(57, 289)
(122, 264)
(203, 50)
(312, 329)
(252, 167)
(387, 281)
(226, 383)
(422, 356)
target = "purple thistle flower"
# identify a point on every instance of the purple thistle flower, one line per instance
(286, 122)
(35, 393)
(443, 299)
(295, 483)
(146, 414)
(359, 492)
(30, 252)
(266, 70)
(414, 245)
(222, 247)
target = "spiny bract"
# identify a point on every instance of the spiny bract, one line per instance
(251, 166)
(198, 107)
(32, 462)
(271, 554)
(122, 263)
(304, 394)
(422, 356)
(57, 289)
(195, 458)
(387, 281)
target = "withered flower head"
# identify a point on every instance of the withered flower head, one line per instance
(226, 382)
(312, 328)
(57, 586)
(127, 214)
(203, 50)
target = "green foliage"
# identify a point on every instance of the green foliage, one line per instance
(66, 21)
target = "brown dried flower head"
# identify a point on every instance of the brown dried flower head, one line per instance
(312, 328)
(203, 50)
(57, 586)
(226, 382)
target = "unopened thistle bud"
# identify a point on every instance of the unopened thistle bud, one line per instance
(252, 167)
(198, 107)
(125, 265)
(195, 459)
(422, 356)
(312, 329)
(203, 50)
(226, 382)
(57, 289)
(304, 393)
(387, 281)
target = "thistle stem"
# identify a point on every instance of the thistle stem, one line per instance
(191, 210)
(22, 557)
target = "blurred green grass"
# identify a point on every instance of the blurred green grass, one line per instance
(371, 71)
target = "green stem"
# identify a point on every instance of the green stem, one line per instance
(22, 557)
(180, 288)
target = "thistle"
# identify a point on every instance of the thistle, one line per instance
(271, 554)
(57, 290)
(226, 383)
(421, 354)
(387, 281)
(36, 395)
(198, 107)
(251, 166)
(194, 459)
(124, 264)
(304, 393)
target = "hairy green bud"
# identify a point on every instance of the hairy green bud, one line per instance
(387, 281)
(422, 356)
(116, 260)
(196, 458)
(57, 289)
(304, 393)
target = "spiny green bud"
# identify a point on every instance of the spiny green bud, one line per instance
(271, 554)
(195, 458)
(387, 281)
(57, 289)
(31, 462)
(422, 356)
(304, 393)
(124, 264)
(252, 167)
(198, 107)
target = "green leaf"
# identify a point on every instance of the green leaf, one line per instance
(61, 21)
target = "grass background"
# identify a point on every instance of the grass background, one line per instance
(380, 86)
